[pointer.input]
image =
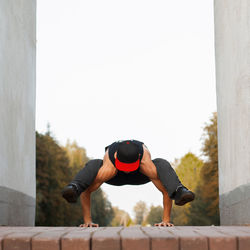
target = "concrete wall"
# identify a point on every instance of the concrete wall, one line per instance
(232, 46)
(17, 111)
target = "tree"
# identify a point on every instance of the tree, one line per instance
(209, 171)
(154, 215)
(101, 208)
(55, 168)
(204, 210)
(140, 210)
(188, 171)
(52, 174)
(208, 187)
(121, 218)
(77, 156)
(197, 211)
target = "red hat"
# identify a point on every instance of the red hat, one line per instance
(127, 158)
(129, 167)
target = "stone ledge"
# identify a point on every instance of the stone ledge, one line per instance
(128, 238)
(16, 208)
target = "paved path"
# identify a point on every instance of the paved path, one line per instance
(129, 238)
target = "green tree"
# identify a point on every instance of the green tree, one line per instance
(188, 171)
(77, 156)
(140, 210)
(197, 212)
(154, 215)
(101, 208)
(207, 202)
(121, 218)
(55, 168)
(52, 174)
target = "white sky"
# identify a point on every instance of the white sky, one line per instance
(134, 69)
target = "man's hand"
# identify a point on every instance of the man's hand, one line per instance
(163, 224)
(90, 224)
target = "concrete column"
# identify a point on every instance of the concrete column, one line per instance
(232, 46)
(17, 112)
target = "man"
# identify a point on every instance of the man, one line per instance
(127, 162)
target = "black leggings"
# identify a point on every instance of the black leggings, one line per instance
(165, 172)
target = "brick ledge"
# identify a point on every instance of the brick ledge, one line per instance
(128, 238)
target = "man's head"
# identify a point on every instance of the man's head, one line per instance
(127, 157)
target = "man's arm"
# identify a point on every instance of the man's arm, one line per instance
(106, 172)
(86, 205)
(148, 168)
(167, 205)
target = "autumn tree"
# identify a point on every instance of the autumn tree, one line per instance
(188, 171)
(52, 174)
(121, 218)
(206, 207)
(154, 215)
(77, 156)
(101, 208)
(140, 210)
(56, 166)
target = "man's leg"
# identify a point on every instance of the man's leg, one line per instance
(169, 179)
(82, 180)
(167, 176)
(171, 182)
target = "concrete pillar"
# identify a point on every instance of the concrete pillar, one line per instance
(17, 112)
(232, 48)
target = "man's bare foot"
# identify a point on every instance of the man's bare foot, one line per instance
(164, 224)
(90, 224)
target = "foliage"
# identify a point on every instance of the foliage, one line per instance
(197, 212)
(121, 218)
(101, 208)
(77, 156)
(188, 171)
(140, 210)
(154, 215)
(204, 210)
(52, 174)
(208, 190)
(55, 168)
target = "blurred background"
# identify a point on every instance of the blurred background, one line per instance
(116, 70)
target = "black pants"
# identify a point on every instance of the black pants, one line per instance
(165, 172)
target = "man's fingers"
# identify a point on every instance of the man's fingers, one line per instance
(170, 225)
(164, 224)
(89, 225)
(94, 225)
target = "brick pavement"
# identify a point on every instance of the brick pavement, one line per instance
(128, 238)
